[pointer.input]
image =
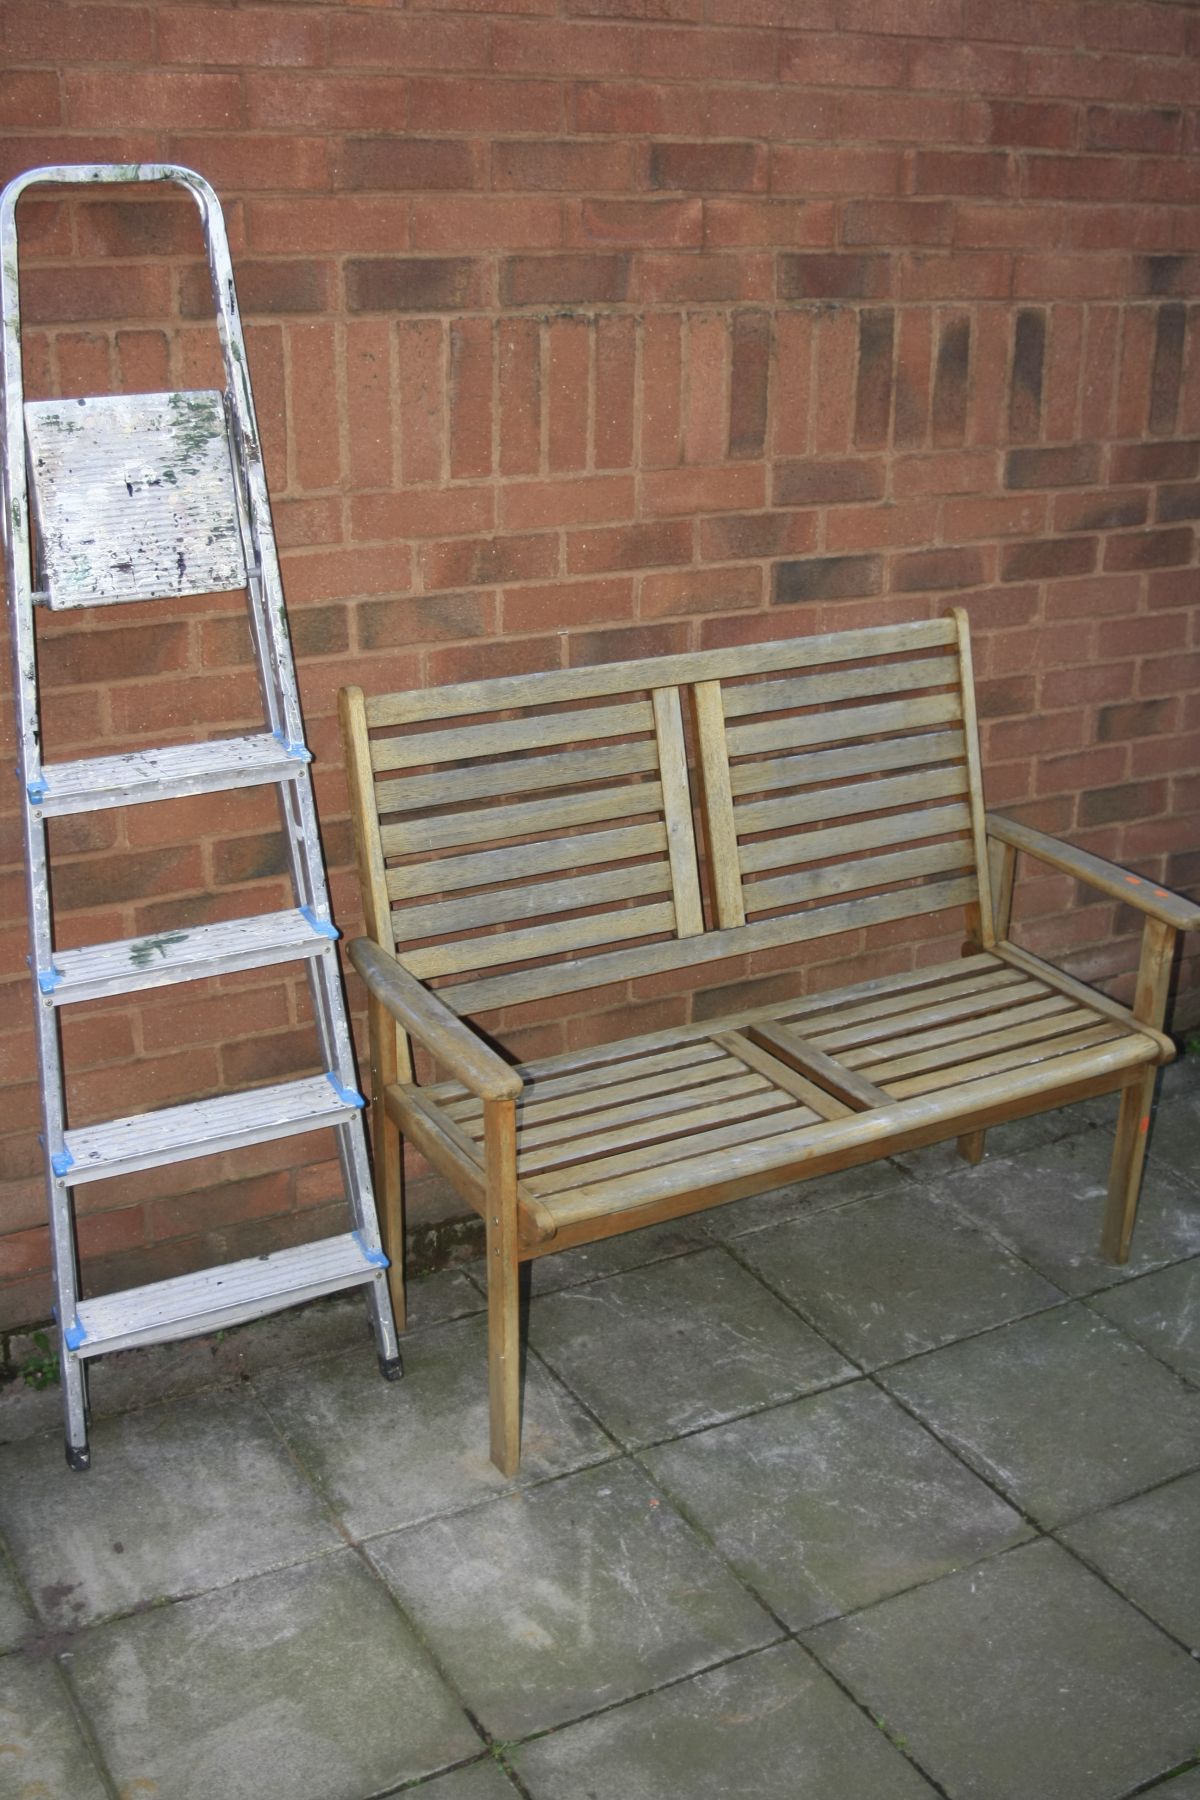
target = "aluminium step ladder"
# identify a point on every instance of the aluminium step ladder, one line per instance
(136, 497)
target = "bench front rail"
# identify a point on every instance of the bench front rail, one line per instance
(567, 834)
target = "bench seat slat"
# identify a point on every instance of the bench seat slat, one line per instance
(648, 1134)
(546, 1089)
(1025, 1057)
(762, 1127)
(580, 1106)
(861, 1027)
(1054, 1019)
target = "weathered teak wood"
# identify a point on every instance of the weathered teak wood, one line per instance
(535, 837)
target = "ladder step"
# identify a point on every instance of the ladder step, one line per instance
(214, 1298)
(167, 774)
(166, 957)
(203, 1127)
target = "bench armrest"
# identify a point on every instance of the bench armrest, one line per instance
(1158, 902)
(427, 1018)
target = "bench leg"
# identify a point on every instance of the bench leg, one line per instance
(1125, 1173)
(971, 1144)
(503, 1287)
(388, 1153)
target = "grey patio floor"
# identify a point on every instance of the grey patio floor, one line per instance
(879, 1488)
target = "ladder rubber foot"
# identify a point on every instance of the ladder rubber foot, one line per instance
(391, 1368)
(79, 1457)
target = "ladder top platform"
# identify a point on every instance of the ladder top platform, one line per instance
(133, 497)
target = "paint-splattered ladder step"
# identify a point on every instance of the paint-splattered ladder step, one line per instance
(165, 957)
(165, 774)
(213, 1299)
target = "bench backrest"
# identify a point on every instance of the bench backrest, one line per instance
(536, 835)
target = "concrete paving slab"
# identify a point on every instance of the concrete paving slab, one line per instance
(609, 1256)
(1149, 1547)
(549, 1604)
(679, 1345)
(1063, 1412)
(772, 1725)
(484, 1780)
(895, 1275)
(179, 1498)
(388, 1454)
(1025, 1676)
(1048, 1205)
(304, 1684)
(1181, 1787)
(16, 1621)
(800, 1199)
(1003, 1142)
(1175, 1128)
(833, 1502)
(42, 1752)
(1162, 1311)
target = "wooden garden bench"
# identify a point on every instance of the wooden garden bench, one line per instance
(524, 840)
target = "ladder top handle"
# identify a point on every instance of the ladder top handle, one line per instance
(104, 175)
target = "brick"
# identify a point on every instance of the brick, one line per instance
(537, 46)
(1178, 501)
(842, 61)
(785, 224)
(1168, 368)
(110, 880)
(677, 223)
(1047, 558)
(899, 222)
(979, 173)
(873, 396)
(1150, 549)
(690, 491)
(625, 643)
(346, 572)
(84, 362)
(899, 524)
(1025, 395)
(966, 68)
(834, 277)
(950, 381)
(562, 166)
(1064, 277)
(29, 98)
(469, 397)
(95, 657)
(1037, 126)
(629, 547)
(386, 624)
(734, 537)
(259, 37)
(749, 383)
(573, 278)
(937, 570)
(396, 164)
(251, 162)
(827, 578)
(1010, 695)
(1164, 276)
(551, 605)
(1135, 719)
(615, 368)
(700, 591)
(1106, 510)
(710, 55)
(413, 284)
(523, 107)
(1128, 800)
(832, 482)
(991, 226)
(1179, 461)
(568, 369)
(1007, 516)
(688, 278)
(1173, 587)
(662, 378)
(34, 32)
(158, 99)
(125, 292)
(486, 222)
(914, 363)
(920, 18)
(339, 222)
(853, 170)
(484, 562)
(1160, 635)
(966, 275)
(390, 43)
(1073, 465)
(1155, 130)
(1133, 27)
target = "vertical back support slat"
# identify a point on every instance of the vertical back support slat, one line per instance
(986, 933)
(724, 868)
(677, 812)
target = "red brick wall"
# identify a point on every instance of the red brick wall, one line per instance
(588, 328)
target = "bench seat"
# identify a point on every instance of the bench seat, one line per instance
(541, 844)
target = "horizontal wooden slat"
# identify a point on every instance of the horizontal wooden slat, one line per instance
(655, 1131)
(651, 959)
(537, 899)
(1022, 1058)
(892, 793)
(552, 685)
(864, 1025)
(825, 766)
(579, 1108)
(503, 737)
(853, 877)
(521, 860)
(848, 723)
(841, 684)
(660, 1115)
(553, 813)
(540, 1090)
(1028, 964)
(554, 938)
(722, 1136)
(1055, 1019)
(455, 785)
(960, 1033)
